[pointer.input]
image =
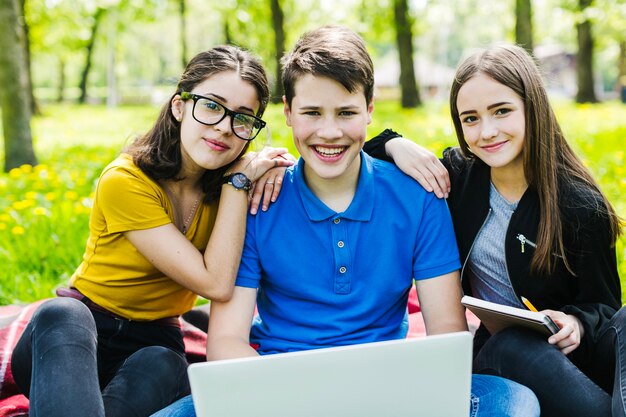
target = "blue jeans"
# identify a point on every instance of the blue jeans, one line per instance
(577, 385)
(490, 397)
(73, 362)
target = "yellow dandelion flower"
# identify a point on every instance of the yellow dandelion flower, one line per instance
(71, 195)
(51, 196)
(5, 217)
(3, 226)
(31, 195)
(40, 211)
(41, 167)
(18, 230)
(23, 204)
(26, 168)
(15, 173)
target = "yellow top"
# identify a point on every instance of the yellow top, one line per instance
(113, 273)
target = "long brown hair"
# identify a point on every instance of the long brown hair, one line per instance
(158, 152)
(547, 157)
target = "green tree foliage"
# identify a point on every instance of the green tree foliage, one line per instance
(609, 18)
(141, 41)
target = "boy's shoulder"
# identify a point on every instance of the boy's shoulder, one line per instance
(390, 177)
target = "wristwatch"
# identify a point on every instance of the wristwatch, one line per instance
(239, 181)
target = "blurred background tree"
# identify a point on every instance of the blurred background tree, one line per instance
(15, 98)
(524, 24)
(131, 51)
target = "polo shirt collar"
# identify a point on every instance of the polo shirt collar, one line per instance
(362, 204)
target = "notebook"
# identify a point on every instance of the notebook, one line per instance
(496, 317)
(421, 377)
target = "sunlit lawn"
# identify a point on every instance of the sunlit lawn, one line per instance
(44, 210)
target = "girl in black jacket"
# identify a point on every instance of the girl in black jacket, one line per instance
(530, 222)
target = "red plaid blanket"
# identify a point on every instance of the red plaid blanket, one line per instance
(13, 320)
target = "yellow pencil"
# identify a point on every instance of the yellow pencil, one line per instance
(528, 304)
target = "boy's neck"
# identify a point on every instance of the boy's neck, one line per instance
(337, 193)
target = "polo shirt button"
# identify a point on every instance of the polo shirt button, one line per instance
(340, 243)
(343, 269)
(336, 221)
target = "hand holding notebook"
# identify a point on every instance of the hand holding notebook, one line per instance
(496, 317)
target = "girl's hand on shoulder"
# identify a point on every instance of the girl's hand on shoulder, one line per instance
(255, 164)
(268, 186)
(571, 333)
(421, 164)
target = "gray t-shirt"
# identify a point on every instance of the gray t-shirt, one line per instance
(489, 276)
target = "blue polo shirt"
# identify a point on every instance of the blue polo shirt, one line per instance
(328, 279)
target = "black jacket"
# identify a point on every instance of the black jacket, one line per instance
(593, 294)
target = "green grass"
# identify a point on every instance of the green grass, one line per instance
(44, 211)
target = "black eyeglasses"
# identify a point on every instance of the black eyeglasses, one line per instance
(209, 112)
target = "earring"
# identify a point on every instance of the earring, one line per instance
(178, 119)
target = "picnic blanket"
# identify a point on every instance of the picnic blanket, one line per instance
(13, 320)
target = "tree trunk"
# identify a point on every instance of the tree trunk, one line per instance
(524, 24)
(112, 97)
(14, 98)
(228, 38)
(183, 31)
(61, 86)
(584, 60)
(621, 80)
(404, 39)
(92, 40)
(622, 62)
(279, 47)
(34, 107)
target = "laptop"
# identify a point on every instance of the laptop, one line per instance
(421, 377)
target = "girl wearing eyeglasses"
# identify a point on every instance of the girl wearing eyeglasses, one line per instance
(167, 224)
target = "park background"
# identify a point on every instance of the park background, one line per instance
(79, 79)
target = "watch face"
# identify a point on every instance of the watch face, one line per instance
(240, 181)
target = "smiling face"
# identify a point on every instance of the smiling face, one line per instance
(493, 122)
(211, 147)
(329, 127)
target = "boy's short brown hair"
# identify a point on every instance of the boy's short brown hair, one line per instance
(335, 52)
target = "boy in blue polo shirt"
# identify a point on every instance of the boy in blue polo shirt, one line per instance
(332, 261)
